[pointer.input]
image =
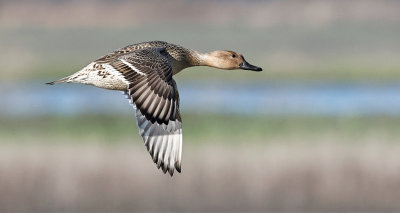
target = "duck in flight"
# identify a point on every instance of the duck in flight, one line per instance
(144, 73)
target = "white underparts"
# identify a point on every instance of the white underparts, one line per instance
(100, 75)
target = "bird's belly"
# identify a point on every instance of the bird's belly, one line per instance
(100, 76)
(107, 80)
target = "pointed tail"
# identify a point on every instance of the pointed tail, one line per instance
(62, 80)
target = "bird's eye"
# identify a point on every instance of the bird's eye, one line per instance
(233, 56)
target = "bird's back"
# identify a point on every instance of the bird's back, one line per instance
(181, 57)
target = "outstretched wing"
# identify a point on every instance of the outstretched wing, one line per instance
(131, 48)
(155, 96)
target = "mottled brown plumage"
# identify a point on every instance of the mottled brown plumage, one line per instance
(144, 72)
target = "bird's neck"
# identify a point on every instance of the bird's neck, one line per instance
(186, 58)
(202, 59)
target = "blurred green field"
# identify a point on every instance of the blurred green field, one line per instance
(230, 162)
(341, 51)
(246, 164)
(204, 129)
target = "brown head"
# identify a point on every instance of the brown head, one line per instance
(228, 60)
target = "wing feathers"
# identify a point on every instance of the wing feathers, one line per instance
(155, 96)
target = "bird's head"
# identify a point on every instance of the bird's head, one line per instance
(228, 60)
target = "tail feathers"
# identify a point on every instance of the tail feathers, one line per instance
(62, 80)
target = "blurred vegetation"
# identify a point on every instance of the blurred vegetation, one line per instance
(204, 129)
(244, 163)
(340, 51)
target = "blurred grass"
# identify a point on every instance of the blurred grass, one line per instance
(340, 51)
(269, 178)
(203, 129)
(253, 163)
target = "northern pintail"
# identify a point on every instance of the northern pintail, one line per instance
(144, 73)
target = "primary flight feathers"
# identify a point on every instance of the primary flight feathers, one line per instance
(144, 73)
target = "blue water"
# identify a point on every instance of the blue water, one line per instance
(275, 98)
